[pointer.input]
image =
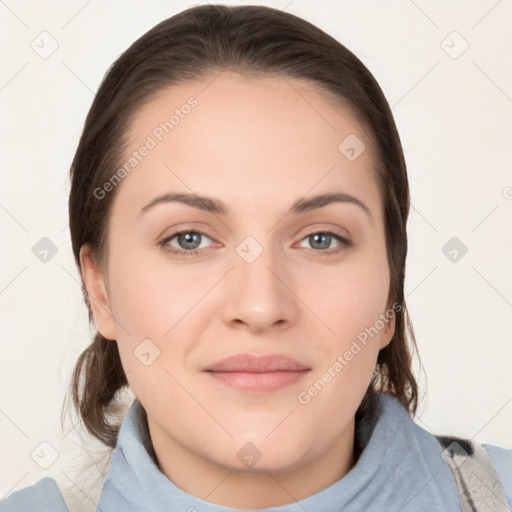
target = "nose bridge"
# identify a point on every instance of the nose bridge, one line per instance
(258, 296)
(256, 267)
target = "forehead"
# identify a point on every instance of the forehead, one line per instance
(241, 137)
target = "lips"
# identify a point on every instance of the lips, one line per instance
(247, 372)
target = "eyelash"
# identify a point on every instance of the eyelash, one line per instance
(345, 243)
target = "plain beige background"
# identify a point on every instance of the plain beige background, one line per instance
(446, 70)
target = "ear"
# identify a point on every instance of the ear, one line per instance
(387, 332)
(94, 281)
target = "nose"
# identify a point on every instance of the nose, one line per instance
(259, 295)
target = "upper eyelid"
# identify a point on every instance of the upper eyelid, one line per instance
(188, 230)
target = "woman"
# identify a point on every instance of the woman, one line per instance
(238, 214)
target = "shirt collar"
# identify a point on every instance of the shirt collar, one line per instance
(134, 482)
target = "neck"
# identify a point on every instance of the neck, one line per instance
(251, 489)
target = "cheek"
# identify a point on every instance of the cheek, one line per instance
(152, 296)
(351, 300)
(162, 309)
(350, 297)
(351, 304)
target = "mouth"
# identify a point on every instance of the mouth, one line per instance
(257, 373)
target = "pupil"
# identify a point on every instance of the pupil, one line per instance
(189, 238)
(318, 237)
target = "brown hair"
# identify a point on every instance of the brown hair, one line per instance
(190, 45)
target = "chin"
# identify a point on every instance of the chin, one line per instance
(255, 453)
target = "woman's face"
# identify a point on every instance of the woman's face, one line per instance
(251, 338)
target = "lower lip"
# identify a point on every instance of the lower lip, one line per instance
(259, 382)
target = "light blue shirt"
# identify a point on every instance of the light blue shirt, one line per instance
(400, 469)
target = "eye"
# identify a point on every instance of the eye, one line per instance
(188, 242)
(322, 240)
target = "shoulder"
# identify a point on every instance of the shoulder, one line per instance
(502, 461)
(436, 453)
(43, 496)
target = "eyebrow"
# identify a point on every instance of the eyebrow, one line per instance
(216, 206)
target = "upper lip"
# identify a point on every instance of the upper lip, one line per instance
(257, 364)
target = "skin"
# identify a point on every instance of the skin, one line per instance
(258, 145)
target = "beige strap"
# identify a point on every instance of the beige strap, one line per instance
(478, 482)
